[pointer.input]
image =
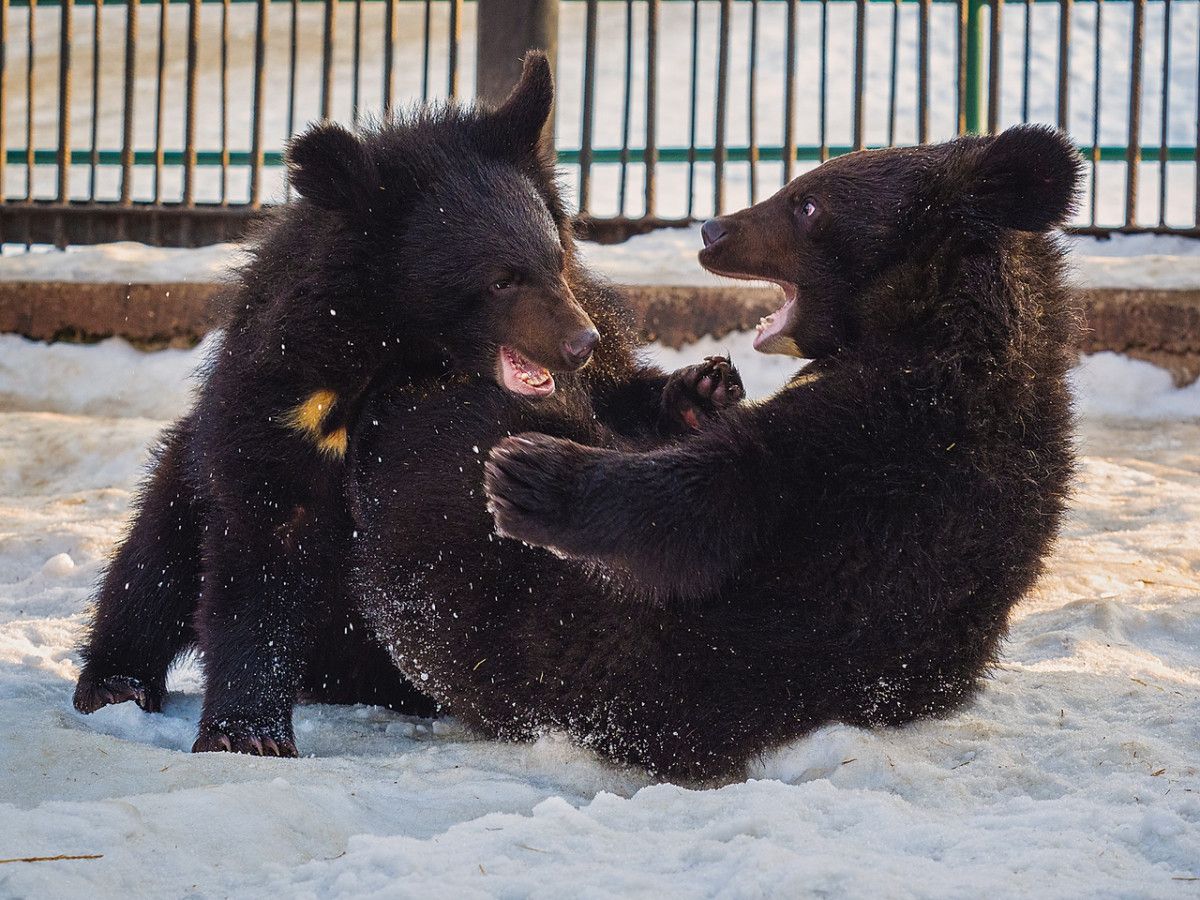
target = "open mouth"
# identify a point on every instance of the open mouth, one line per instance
(524, 377)
(773, 333)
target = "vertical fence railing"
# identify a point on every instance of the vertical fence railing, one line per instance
(722, 110)
(860, 73)
(1133, 151)
(789, 93)
(3, 100)
(589, 105)
(1096, 97)
(66, 33)
(150, 165)
(651, 155)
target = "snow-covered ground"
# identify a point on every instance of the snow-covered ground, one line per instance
(666, 256)
(1075, 773)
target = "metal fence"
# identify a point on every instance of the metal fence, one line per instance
(669, 110)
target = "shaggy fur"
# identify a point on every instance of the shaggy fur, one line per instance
(848, 550)
(417, 251)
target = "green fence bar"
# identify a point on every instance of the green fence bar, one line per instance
(570, 156)
(975, 73)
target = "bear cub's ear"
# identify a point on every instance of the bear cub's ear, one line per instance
(515, 129)
(331, 167)
(1028, 178)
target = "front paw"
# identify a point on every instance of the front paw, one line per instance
(232, 738)
(530, 482)
(699, 392)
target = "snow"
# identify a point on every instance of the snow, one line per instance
(1111, 385)
(666, 256)
(121, 262)
(1074, 773)
(113, 380)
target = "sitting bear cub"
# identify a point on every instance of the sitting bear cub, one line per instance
(436, 249)
(848, 550)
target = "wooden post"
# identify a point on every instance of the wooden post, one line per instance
(505, 29)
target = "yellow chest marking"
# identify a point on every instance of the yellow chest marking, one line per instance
(334, 443)
(804, 378)
(308, 419)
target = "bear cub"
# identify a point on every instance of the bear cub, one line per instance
(847, 550)
(432, 249)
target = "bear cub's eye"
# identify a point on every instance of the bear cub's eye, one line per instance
(808, 208)
(503, 285)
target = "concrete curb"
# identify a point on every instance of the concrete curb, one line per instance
(1162, 326)
(148, 315)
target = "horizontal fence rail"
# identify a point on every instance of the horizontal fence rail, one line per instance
(164, 121)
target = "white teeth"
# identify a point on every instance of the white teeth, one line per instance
(523, 376)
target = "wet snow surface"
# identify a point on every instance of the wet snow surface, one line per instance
(1075, 772)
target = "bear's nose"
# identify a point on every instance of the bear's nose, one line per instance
(577, 350)
(712, 231)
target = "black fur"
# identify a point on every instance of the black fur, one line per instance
(416, 252)
(848, 550)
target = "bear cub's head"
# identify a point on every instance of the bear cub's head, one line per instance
(860, 243)
(448, 221)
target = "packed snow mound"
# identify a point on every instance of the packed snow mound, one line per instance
(112, 378)
(1115, 386)
(106, 379)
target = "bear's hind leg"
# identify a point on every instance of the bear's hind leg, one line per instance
(143, 614)
(265, 598)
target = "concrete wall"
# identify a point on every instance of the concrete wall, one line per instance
(1161, 326)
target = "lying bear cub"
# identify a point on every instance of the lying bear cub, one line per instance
(433, 250)
(848, 550)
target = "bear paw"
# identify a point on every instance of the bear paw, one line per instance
(93, 693)
(531, 481)
(699, 392)
(255, 742)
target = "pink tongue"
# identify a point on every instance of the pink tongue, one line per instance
(776, 323)
(521, 376)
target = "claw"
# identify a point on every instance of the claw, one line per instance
(91, 695)
(701, 391)
(213, 741)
